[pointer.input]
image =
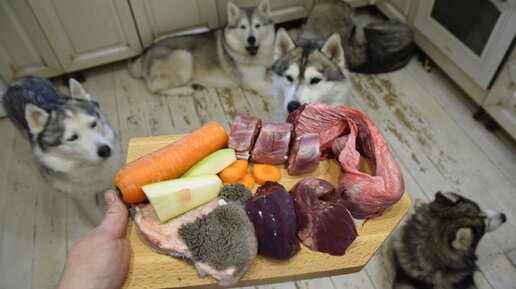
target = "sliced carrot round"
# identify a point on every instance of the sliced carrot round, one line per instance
(265, 172)
(235, 171)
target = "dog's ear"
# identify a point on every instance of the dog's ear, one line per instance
(36, 117)
(283, 43)
(332, 48)
(446, 198)
(77, 91)
(265, 8)
(232, 11)
(463, 239)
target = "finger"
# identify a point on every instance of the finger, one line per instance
(115, 221)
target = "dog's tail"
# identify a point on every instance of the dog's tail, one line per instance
(135, 67)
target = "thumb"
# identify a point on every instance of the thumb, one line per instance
(115, 221)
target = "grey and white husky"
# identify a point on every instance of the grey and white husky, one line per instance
(75, 148)
(436, 247)
(308, 70)
(236, 55)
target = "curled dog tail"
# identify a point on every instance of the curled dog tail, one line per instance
(135, 67)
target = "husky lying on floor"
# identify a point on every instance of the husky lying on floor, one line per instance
(436, 248)
(236, 55)
(75, 148)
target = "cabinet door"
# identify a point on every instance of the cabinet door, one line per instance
(87, 33)
(281, 10)
(24, 50)
(396, 9)
(157, 19)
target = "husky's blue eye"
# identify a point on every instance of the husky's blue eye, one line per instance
(93, 124)
(243, 27)
(73, 138)
(314, 80)
(289, 78)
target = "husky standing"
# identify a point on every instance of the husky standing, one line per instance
(75, 148)
(236, 55)
(308, 70)
(436, 247)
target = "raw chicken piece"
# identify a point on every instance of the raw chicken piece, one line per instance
(164, 237)
(365, 195)
(272, 212)
(243, 134)
(323, 222)
(272, 144)
(304, 154)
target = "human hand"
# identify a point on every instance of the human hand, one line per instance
(100, 260)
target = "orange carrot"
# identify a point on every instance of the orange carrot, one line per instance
(169, 162)
(247, 180)
(266, 172)
(234, 171)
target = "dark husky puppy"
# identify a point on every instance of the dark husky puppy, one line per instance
(436, 248)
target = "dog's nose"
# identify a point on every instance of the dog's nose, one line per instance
(251, 40)
(104, 151)
(503, 217)
(293, 105)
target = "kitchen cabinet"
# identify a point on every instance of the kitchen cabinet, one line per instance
(24, 49)
(401, 10)
(87, 33)
(500, 101)
(51, 37)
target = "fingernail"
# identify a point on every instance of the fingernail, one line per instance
(110, 197)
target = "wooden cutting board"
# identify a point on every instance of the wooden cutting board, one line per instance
(153, 270)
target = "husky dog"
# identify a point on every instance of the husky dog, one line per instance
(370, 48)
(236, 55)
(308, 70)
(436, 247)
(75, 148)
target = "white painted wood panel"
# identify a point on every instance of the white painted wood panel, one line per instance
(84, 34)
(156, 19)
(24, 49)
(281, 10)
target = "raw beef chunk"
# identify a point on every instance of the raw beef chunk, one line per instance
(304, 154)
(272, 144)
(243, 134)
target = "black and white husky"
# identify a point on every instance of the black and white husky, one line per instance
(436, 247)
(75, 148)
(238, 54)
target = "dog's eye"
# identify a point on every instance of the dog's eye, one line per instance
(73, 138)
(257, 26)
(93, 124)
(289, 78)
(314, 81)
(243, 27)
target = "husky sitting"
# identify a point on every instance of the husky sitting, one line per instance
(436, 247)
(236, 55)
(75, 148)
(308, 70)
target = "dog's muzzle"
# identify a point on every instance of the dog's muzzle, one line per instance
(252, 49)
(293, 105)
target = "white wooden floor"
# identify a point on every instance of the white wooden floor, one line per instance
(425, 119)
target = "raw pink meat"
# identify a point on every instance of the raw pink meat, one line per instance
(243, 134)
(272, 144)
(365, 195)
(304, 154)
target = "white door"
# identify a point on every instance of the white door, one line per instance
(87, 33)
(24, 49)
(157, 19)
(281, 10)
